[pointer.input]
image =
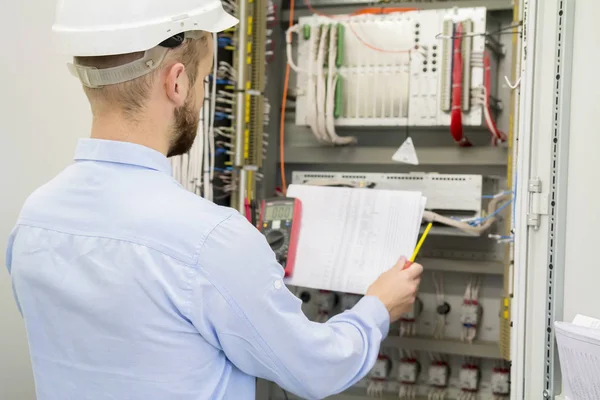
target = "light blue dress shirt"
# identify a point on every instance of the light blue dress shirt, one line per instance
(132, 288)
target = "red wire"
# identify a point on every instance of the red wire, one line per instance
(364, 11)
(248, 210)
(487, 81)
(456, 127)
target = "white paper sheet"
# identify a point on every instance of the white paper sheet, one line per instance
(349, 236)
(579, 352)
(582, 320)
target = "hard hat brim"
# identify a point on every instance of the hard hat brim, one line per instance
(104, 40)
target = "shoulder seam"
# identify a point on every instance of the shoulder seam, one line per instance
(202, 242)
(195, 264)
(187, 260)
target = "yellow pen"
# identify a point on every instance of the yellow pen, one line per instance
(419, 244)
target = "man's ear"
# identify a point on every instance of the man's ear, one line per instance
(177, 84)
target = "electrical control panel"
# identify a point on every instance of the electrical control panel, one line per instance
(401, 75)
(405, 81)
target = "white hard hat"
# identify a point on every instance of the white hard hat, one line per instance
(86, 28)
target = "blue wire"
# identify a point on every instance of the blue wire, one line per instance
(221, 115)
(221, 81)
(479, 221)
(514, 209)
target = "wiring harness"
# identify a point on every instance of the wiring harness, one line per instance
(325, 45)
(474, 226)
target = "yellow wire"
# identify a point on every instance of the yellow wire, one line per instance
(421, 241)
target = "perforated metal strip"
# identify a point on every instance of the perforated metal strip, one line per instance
(558, 189)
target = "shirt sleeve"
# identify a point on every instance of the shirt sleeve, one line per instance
(240, 304)
(8, 261)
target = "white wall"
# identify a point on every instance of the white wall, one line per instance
(582, 280)
(42, 113)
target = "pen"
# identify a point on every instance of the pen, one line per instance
(419, 244)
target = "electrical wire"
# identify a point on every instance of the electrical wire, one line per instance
(290, 63)
(321, 84)
(440, 319)
(498, 136)
(211, 131)
(207, 111)
(483, 223)
(332, 81)
(456, 126)
(286, 82)
(499, 31)
(364, 11)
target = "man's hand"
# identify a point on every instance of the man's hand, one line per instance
(397, 288)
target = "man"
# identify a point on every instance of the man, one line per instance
(132, 288)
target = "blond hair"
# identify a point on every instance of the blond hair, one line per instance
(131, 96)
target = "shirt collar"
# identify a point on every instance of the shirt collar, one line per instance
(122, 153)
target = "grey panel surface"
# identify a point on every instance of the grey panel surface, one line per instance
(434, 156)
(448, 346)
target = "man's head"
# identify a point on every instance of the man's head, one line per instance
(170, 96)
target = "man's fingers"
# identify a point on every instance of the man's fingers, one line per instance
(414, 270)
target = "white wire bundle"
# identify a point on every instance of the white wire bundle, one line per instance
(477, 59)
(408, 321)
(375, 388)
(230, 184)
(332, 80)
(231, 7)
(226, 71)
(471, 299)
(321, 86)
(378, 376)
(267, 111)
(462, 395)
(408, 328)
(438, 393)
(407, 391)
(465, 393)
(440, 319)
(503, 368)
(480, 97)
(487, 222)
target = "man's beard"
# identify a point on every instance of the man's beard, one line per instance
(187, 119)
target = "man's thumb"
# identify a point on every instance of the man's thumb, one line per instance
(401, 262)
